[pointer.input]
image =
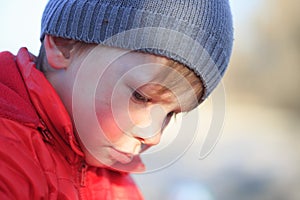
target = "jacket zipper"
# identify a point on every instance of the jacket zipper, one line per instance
(83, 174)
(45, 132)
(82, 180)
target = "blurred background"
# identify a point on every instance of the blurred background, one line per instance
(257, 156)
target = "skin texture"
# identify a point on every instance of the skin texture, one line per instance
(130, 115)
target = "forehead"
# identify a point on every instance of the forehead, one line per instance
(145, 67)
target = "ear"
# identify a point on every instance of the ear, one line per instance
(58, 51)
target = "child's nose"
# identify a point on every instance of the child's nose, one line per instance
(149, 129)
(147, 136)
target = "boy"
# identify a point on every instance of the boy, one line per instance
(109, 76)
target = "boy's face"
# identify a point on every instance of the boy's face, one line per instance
(120, 105)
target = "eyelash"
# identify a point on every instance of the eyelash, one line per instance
(139, 97)
(171, 114)
(168, 118)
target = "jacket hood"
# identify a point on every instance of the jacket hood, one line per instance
(15, 103)
(27, 95)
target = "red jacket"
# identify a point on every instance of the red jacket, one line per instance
(40, 157)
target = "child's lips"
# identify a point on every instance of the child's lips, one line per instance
(120, 156)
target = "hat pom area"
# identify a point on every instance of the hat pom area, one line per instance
(196, 33)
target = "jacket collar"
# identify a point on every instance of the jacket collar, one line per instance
(48, 104)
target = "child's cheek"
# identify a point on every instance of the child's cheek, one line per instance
(110, 125)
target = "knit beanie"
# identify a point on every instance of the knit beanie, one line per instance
(196, 33)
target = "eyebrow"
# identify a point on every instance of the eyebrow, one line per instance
(158, 92)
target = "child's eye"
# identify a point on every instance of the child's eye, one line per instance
(139, 97)
(171, 114)
(168, 119)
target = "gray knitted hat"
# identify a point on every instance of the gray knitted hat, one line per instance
(196, 33)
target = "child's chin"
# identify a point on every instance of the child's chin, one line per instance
(135, 166)
(105, 163)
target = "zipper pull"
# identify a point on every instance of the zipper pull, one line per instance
(45, 132)
(83, 174)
